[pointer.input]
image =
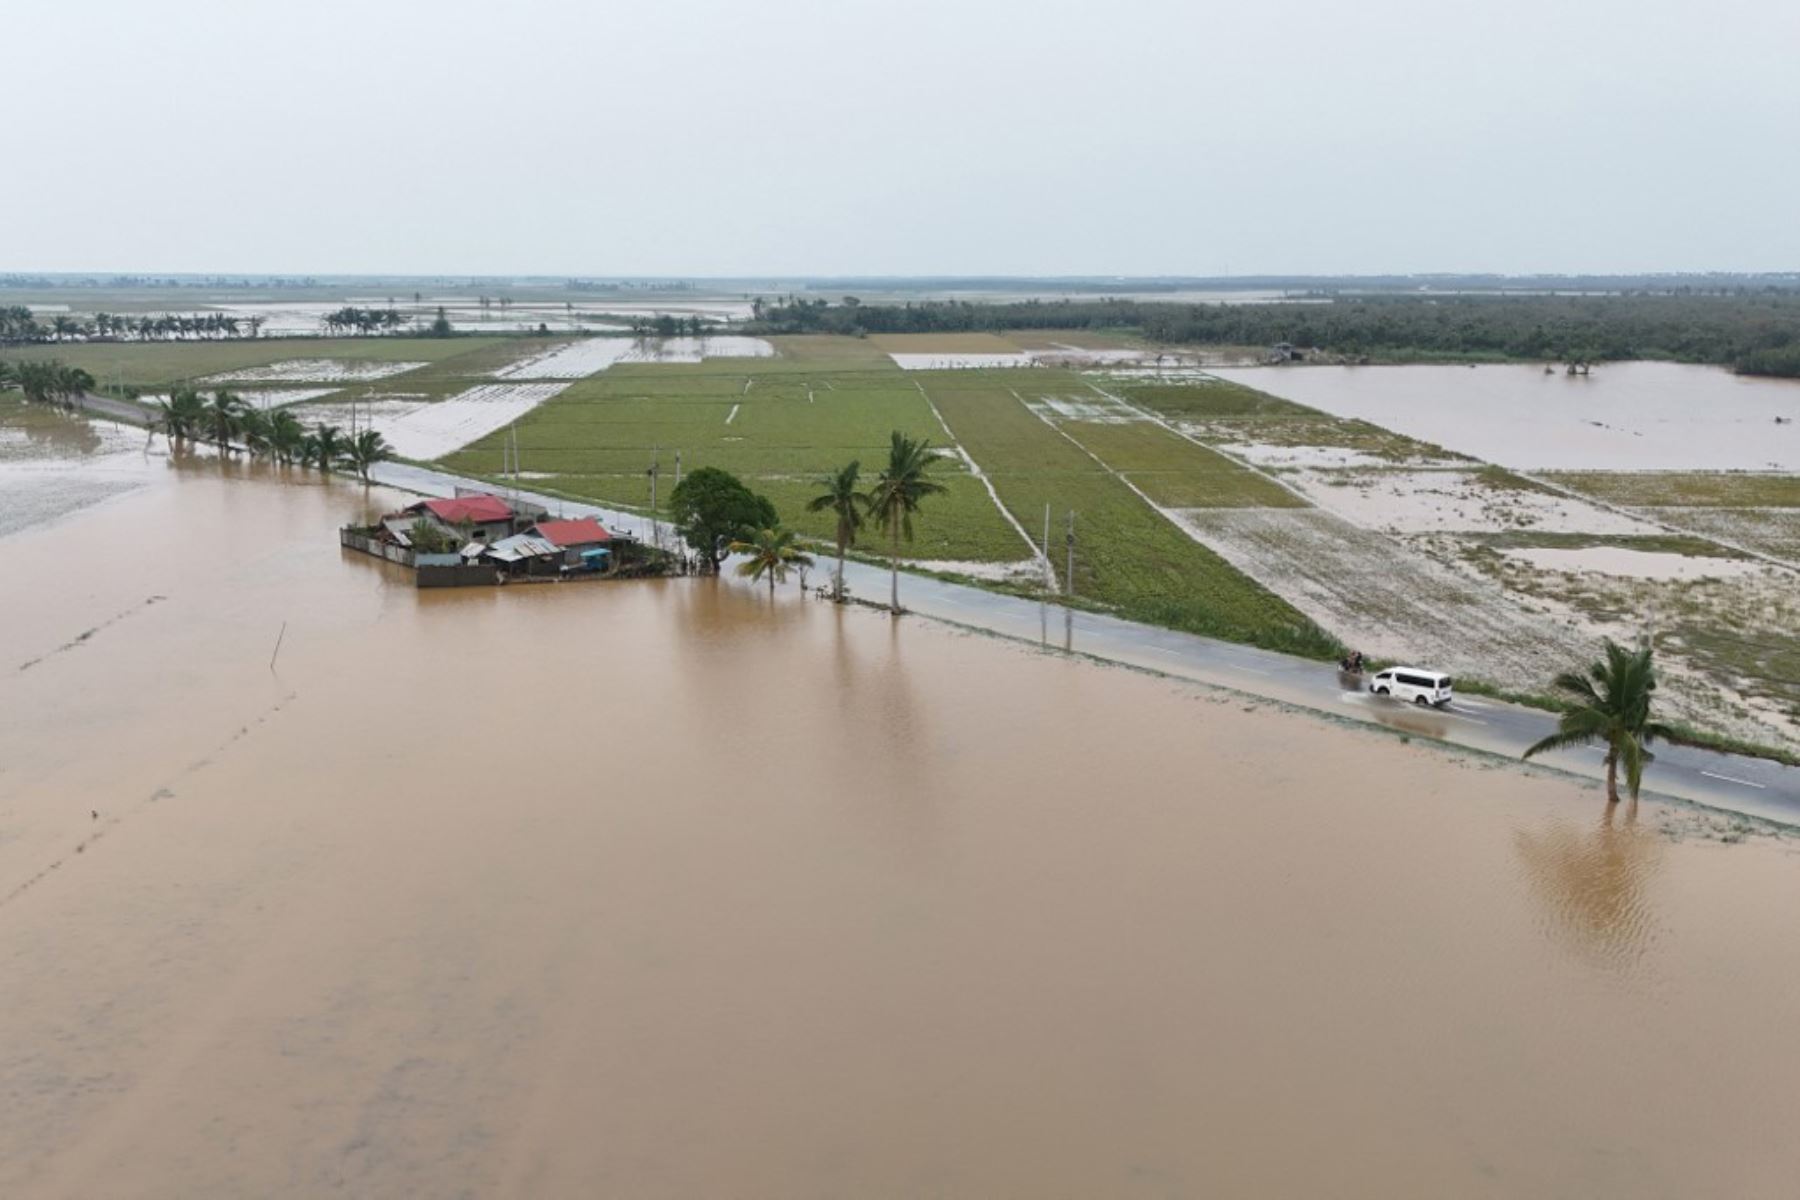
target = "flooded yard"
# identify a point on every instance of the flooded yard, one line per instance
(1631, 416)
(671, 889)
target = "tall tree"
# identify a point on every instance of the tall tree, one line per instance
(1612, 706)
(771, 552)
(324, 447)
(713, 508)
(223, 417)
(896, 495)
(840, 497)
(366, 449)
(286, 436)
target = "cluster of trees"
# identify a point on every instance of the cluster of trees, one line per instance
(1759, 333)
(226, 421)
(668, 325)
(48, 382)
(19, 324)
(717, 515)
(366, 320)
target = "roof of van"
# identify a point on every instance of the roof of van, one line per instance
(1416, 671)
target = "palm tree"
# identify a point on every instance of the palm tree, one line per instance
(181, 414)
(772, 552)
(253, 427)
(365, 450)
(324, 446)
(224, 417)
(842, 500)
(72, 382)
(896, 495)
(1612, 706)
(287, 438)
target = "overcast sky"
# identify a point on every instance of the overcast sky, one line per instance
(698, 137)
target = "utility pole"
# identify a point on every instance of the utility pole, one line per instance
(678, 468)
(1049, 571)
(655, 525)
(1070, 539)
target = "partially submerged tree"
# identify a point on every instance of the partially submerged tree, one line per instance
(1612, 706)
(323, 447)
(224, 416)
(712, 509)
(771, 552)
(840, 498)
(896, 496)
(182, 414)
(366, 449)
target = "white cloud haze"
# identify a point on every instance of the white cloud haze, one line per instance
(983, 136)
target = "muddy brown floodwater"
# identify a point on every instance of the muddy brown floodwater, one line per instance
(668, 890)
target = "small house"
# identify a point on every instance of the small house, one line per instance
(478, 516)
(586, 543)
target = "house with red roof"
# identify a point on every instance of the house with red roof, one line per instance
(584, 541)
(475, 517)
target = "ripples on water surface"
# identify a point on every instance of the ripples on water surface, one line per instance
(667, 890)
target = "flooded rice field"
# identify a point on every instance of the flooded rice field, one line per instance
(1625, 416)
(313, 882)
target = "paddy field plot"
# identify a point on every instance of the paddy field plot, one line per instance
(155, 366)
(431, 430)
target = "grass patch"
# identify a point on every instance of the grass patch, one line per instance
(1175, 472)
(1674, 489)
(944, 343)
(1671, 543)
(154, 366)
(1225, 411)
(1128, 556)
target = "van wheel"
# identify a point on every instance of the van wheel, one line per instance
(1420, 701)
(1379, 691)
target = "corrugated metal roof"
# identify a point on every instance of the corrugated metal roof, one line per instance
(522, 546)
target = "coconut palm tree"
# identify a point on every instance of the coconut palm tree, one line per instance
(772, 552)
(224, 417)
(324, 447)
(287, 437)
(843, 501)
(365, 450)
(1612, 705)
(896, 496)
(181, 414)
(253, 427)
(71, 382)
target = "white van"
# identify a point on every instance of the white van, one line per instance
(1412, 683)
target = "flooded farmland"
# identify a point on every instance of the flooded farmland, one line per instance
(1628, 416)
(313, 882)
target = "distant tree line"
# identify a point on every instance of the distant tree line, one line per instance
(1757, 334)
(18, 324)
(365, 320)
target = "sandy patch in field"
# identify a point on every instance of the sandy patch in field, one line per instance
(315, 370)
(1405, 501)
(1634, 564)
(433, 430)
(1771, 531)
(1381, 597)
(1256, 454)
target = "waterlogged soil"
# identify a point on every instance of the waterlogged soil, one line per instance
(312, 882)
(1629, 416)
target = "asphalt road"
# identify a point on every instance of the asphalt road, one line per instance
(1752, 786)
